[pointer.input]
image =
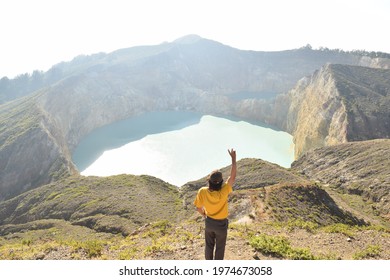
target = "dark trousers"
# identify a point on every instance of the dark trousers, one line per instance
(215, 235)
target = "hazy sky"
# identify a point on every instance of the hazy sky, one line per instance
(36, 34)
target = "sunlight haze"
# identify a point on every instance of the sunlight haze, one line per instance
(38, 34)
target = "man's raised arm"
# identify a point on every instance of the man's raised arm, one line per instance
(233, 171)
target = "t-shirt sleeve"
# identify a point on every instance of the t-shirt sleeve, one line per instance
(228, 187)
(198, 202)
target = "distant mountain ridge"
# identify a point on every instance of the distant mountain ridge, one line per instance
(280, 65)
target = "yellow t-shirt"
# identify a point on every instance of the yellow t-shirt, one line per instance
(215, 203)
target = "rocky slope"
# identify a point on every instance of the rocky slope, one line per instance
(357, 168)
(338, 104)
(117, 204)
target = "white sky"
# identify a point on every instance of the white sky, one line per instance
(36, 34)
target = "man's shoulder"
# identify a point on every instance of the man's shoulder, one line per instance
(203, 189)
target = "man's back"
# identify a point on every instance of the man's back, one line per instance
(215, 203)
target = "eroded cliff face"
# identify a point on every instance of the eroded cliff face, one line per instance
(338, 104)
(31, 150)
(317, 116)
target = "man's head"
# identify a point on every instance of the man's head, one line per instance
(215, 180)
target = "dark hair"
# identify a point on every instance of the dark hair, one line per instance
(215, 186)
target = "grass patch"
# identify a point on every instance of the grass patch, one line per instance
(372, 251)
(129, 254)
(350, 231)
(92, 248)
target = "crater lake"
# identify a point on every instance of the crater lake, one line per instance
(178, 146)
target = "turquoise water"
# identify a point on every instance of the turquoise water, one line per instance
(178, 147)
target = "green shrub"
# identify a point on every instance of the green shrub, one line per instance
(26, 242)
(160, 245)
(128, 254)
(279, 246)
(340, 228)
(93, 248)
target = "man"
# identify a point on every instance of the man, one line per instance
(212, 203)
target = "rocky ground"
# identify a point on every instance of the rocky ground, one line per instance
(321, 244)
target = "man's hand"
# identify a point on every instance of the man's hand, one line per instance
(232, 154)
(201, 211)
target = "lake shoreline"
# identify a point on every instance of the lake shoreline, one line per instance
(178, 147)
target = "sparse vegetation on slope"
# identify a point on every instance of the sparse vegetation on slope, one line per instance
(308, 203)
